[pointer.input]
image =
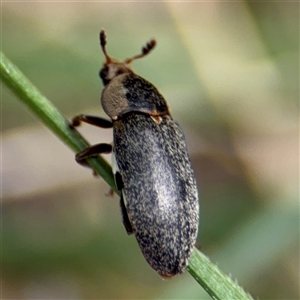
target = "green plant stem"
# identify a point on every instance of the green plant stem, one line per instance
(44, 110)
(217, 284)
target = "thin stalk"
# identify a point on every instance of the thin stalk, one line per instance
(44, 110)
(216, 283)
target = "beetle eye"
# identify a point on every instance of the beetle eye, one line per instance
(103, 73)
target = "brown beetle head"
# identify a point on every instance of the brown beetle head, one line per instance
(113, 67)
(124, 91)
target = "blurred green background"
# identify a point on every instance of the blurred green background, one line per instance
(230, 73)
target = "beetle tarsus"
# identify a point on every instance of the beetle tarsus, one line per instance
(110, 193)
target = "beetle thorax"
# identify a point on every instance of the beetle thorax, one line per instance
(113, 98)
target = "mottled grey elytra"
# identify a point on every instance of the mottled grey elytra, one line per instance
(151, 165)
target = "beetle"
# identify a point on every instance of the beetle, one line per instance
(151, 165)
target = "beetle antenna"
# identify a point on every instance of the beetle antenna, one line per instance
(102, 37)
(145, 50)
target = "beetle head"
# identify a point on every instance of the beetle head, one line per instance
(113, 67)
(126, 92)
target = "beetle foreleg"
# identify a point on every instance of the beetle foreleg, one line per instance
(96, 121)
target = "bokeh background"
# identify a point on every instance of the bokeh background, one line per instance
(230, 72)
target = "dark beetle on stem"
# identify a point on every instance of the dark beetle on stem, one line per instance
(152, 169)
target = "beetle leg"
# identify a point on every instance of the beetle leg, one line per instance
(110, 193)
(96, 121)
(96, 149)
(119, 181)
(198, 246)
(125, 218)
(92, 151)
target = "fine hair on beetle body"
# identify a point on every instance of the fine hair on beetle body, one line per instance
(159, 198)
